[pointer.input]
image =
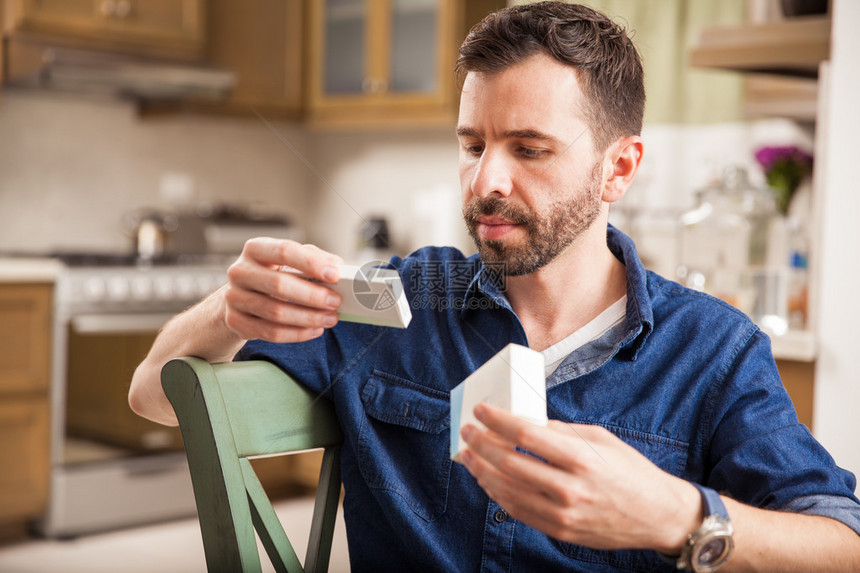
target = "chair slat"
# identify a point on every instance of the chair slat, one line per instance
(267, 524)
(271, 413)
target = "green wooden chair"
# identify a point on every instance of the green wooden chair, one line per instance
(228, 412)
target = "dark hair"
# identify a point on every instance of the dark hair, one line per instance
(608, 66)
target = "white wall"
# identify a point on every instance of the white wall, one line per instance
(71, 167)
(837, 382)
(408, 177)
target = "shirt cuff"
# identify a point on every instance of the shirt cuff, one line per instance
(840, 508)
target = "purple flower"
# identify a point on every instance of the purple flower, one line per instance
(784, 167)
(770, 157)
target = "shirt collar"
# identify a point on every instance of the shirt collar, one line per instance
(639, 321)
(640, 317)
(488, 282)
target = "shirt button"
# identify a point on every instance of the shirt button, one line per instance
(500, 516)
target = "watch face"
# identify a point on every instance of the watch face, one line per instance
(712, 552)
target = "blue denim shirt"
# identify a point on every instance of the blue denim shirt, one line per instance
(687, 380)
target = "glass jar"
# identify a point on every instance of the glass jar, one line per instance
(733, 245)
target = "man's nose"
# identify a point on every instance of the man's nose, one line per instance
(492, 177)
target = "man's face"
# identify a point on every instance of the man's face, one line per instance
(530, 180)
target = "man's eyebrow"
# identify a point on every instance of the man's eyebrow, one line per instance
(511, 134)
(468, 132)
(530, 134)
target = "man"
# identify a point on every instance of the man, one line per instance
(655, 391)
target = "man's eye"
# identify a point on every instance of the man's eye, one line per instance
(475, 150)
(530, 153)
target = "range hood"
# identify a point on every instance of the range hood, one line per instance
(39, 65)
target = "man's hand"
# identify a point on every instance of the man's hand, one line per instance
(259, 302)
(264, 303)
(593, 490)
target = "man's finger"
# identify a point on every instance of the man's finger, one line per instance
(307, 259)
(517, 467)
(251, 327)
(278, 312)
(578, 451)
(251, 276)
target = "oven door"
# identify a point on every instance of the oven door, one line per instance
(103, 351)
(111, 468)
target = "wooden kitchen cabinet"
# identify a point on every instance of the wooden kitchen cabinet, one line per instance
(24, 338)
(386, 62)
(262, 42)
(2, 53)
(169, 28)
(289, 475)
(798, 378)
(24, 427)
(24, 406)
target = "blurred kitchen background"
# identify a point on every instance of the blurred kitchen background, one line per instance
(142, 141)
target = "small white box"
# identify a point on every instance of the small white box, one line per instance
(512, 380)
(369, 295)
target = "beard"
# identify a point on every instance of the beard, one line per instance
(548, 233)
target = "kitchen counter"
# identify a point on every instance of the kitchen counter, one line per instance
(28, 270)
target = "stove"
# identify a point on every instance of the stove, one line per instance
(107, 283)
(109, 467)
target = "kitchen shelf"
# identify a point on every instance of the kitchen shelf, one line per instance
(781, 96)
(794, 46)
(799, 345)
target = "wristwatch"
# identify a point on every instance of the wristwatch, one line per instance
(708, 548)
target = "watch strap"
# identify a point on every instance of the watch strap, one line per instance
(713, 503)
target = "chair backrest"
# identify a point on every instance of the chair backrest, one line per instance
(228, 412)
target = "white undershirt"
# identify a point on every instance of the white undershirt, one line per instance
(613, 315)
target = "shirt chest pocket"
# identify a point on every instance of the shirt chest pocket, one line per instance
(403, 443)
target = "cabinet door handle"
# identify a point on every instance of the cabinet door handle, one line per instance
(374, 86)
(118, 323)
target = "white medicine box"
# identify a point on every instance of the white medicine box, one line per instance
(369, 295)
(512, 380)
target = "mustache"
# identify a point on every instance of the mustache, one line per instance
(497, 207)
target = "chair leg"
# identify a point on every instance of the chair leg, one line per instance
(325, 513)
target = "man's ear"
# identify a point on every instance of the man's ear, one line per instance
(623, 158)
